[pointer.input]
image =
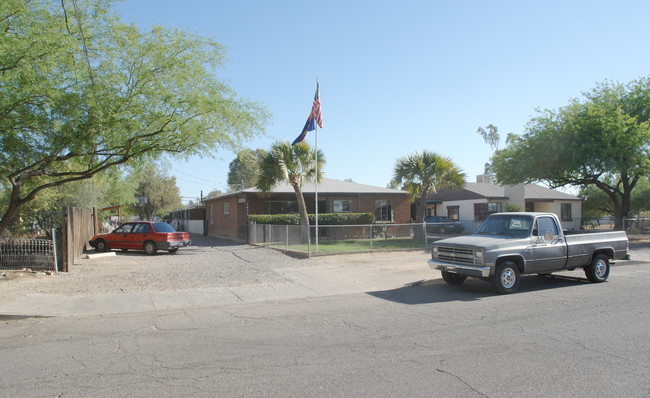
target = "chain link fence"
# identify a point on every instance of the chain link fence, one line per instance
(376, 237)
(635, 226)
(345, 238)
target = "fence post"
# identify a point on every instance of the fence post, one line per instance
(308, 240)
(426, 238)
(371, 248)
(56, 259)
(287, 230)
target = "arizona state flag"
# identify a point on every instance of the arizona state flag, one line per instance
(315, 117)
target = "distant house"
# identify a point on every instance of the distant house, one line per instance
(477, 200)
(226, 216)
(190, 219)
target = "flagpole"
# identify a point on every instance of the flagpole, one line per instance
(316, 183)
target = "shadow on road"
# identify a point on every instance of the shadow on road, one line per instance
(438, 291)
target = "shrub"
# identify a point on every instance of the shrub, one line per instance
(323, 219)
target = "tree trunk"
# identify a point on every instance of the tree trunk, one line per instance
(418, 232)
(9, 215)
(622, 212)
(302, 210)
(12, 208)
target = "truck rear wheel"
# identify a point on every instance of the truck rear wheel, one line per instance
(506, 278)
(453, 279)
(598, 271)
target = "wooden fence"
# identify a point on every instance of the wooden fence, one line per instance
(77, 230)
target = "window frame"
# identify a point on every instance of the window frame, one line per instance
(342, 203)
(453, 212)
(389, 206)
(563, 211)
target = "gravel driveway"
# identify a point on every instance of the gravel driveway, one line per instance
(208, 262)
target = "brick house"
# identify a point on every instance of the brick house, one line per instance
(226, 216)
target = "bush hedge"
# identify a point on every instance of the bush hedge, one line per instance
(323, 219)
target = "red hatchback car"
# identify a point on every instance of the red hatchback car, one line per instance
(142, 235)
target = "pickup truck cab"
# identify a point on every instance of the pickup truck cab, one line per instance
(508, 245)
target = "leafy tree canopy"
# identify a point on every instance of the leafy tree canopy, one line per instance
(294, 164)
(602, 140)
(244, 169)
(422, 173)
(597, 204)
(156, 193)
(82, 92)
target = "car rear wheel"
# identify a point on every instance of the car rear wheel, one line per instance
(100, 246)
(150, 247)
(598, 271)
(453, 279)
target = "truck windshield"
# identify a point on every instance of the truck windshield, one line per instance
(506, 224)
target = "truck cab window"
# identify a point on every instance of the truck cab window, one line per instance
(544, 224)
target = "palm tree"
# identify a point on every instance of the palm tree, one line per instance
(295, 164)
(421, 173)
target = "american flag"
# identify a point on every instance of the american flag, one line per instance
(315, 109)
(315, 117)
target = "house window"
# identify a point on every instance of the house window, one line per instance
(342, 206)
(482, 210)
(383, 210)
(453, 212)
(286, 207)
(566, 212)
(226, 208)
(211, 214)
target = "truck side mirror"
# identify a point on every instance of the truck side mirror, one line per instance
(548, 235)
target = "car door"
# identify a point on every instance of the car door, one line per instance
(120, 238)
(549, 248)
(140, 234)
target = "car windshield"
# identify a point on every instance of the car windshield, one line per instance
(163, 227)
(505, 224)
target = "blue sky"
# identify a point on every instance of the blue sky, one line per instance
(398, 77)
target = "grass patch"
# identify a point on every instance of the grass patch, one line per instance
(355, 245)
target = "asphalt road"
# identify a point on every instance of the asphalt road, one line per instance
(559, 336)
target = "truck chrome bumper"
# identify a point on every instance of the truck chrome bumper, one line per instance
(469, 270)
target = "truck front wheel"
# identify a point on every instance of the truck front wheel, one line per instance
(598, 271)
(506, 278)
(453, 279)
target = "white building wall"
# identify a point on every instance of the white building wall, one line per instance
(576, 214)
(194, 226)
(465, 212)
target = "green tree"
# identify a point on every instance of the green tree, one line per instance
(243, 170)
(82, 92)
(295, 164)
(156, 193)
(422, 173)
(601, 141)
(491, 137)
(596, 203)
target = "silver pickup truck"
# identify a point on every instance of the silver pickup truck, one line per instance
(508, 245)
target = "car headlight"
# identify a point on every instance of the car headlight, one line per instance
(479, 254)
